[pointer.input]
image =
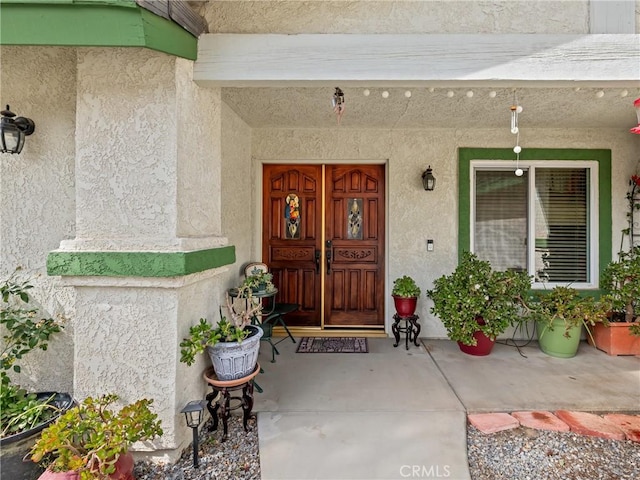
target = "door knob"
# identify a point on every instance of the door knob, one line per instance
(328, 255)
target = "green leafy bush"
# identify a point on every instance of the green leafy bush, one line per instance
(475, 291)
(566, 304)
(90, 437)
(620, 281)
(23, 330)
(405, 287)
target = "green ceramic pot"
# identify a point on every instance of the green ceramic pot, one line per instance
(554, 343)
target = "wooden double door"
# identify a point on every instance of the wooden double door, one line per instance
(324, 240)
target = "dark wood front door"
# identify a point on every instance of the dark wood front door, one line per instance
(327, 257)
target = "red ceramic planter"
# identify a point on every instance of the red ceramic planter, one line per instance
(405, 307)
(483, 346)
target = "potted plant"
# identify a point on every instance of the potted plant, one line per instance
(477, 303)
(232, 345)
(405, 293)
(23, 414)
(560, 315)
(259, 281)
(620, 282)
(91, 440)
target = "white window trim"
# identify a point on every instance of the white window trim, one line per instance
(594, 273)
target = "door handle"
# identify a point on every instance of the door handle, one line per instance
(328, 255)
(317, 261)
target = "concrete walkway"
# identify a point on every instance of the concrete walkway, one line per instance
(394, 414)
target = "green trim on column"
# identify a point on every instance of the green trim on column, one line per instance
(109, 23)
(138, 264)
(602, 156)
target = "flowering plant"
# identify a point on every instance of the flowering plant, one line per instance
(473, 292)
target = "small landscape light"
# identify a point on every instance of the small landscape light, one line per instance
(193, 415)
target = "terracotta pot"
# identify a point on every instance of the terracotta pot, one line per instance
(483, 346)
(124, 471)
(616, 339)
(405, 306)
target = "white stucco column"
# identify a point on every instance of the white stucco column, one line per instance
(145, 261)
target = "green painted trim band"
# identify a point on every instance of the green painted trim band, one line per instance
(97, 24)
(138, 264)
(602, 156)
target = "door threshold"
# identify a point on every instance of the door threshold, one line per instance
(333, 332)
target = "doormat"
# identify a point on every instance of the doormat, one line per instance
(333, 345)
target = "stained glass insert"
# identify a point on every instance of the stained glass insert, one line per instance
(354, 218)
(292, 216)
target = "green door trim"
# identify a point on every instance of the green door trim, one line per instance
(602, 156)
(104, 23)
(138, 264)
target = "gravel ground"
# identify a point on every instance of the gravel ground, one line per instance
(528, 454)
(518, 454)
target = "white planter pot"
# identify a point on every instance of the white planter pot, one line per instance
(233, 360)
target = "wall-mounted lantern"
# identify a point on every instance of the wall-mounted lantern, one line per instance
(13, 131)
(428, 180)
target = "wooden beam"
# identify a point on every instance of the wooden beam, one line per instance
(178, 11)
(415, 59)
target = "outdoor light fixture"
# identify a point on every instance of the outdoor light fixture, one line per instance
(193, 414)
(636, 129)
(428, 180)
(13, 131)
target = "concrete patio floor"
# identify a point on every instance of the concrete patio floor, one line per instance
(393, 413)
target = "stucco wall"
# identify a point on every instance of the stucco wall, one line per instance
(416, 215)
(434, 16)
(37, 196)
(237, 192)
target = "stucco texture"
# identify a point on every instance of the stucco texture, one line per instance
(415, 215)
(37, 199)
(238, 194)
(436, 16)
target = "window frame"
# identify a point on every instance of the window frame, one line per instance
(600, 195)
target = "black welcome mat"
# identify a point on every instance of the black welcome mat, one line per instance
(333, 345)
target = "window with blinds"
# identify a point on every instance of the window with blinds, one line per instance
(561, 225)
(539, 222)
(501, 219)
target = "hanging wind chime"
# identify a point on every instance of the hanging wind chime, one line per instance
(515, 111)
(338, 104)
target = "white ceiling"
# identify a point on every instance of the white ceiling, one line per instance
(298, 107)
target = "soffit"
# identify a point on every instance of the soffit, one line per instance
(300, 107)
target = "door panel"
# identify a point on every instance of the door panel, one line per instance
(293, 260)
(354, 286)
(350, 255)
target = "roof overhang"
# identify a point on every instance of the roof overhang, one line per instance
(106, 23)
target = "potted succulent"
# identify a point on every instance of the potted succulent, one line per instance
(23, 414)
(259, 281)
(92, 441)
(405, 293)
(232, 345)
(620, 282)
(560, 315)
(477, 303)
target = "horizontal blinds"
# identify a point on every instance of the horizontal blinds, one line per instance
(500, 228)
(561, 225)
